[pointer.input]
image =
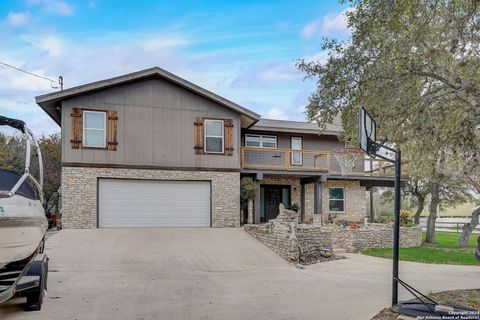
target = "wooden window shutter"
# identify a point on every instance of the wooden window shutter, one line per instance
(77, 128)
(198, 135)
(228, 137)
(112, 131)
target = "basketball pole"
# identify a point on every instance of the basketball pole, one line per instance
(396, 227)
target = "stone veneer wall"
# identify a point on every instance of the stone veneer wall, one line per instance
(276, 236)
(355, 197)
(312, 238)
(309, 239)
(355, 200)
(79, 192)
(374, 236)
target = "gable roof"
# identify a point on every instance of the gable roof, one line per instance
(51, 102)
(295, 126)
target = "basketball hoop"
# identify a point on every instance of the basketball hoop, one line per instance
(346, 157)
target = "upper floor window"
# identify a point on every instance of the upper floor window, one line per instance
(214, 136)
(260, 141)
(336, 201)
(94, 129)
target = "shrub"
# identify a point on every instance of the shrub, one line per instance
(292, 206)
(405, 220)
(248, 188)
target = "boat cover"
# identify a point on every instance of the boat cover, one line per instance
(9, 178)
(14, 123)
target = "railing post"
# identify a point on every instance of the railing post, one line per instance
(328, 162)
(287, 158)
(242, 161)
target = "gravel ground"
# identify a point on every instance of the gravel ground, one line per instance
(468, 298)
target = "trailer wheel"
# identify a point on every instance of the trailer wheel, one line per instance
(35, 295)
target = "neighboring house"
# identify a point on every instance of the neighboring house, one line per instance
(152, 149)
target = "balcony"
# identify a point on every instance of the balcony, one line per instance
(313, 161)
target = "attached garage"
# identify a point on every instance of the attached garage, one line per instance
(153, 203)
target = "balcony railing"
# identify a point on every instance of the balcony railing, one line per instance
(313, 160)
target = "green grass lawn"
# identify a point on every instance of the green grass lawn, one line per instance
(445, 251)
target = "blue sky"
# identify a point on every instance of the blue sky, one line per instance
(244, 51)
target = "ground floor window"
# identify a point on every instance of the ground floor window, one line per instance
(336, 201)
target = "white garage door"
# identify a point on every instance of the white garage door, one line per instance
(144, 203)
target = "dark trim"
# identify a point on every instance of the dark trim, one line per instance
(98, 202)
(309, 180)
(144, 167)
(284, 172)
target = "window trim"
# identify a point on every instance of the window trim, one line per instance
(261, 140)
(84, 128)
(211, 136)
(344, 199)
(299, 151)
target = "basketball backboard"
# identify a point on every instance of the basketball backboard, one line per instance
(366, 130)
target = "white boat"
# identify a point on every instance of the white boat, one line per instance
(22, 218)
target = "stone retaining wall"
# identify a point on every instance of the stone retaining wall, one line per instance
(374, 236)
(276, 236)
(305, 240)
(310, 239)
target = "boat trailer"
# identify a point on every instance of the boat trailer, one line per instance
(26, 278)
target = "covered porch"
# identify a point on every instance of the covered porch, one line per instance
(319, 198)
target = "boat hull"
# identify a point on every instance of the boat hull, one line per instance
(22, 228)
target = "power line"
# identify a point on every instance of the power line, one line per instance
(30, 73)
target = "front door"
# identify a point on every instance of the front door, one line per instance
(274, 195)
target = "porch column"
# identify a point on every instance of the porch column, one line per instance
(302, 202)
(256, 211)
(372, 214)
(317, 194)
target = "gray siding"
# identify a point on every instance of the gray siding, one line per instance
(155, 126)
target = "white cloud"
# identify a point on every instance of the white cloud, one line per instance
(26, 109)
(310, 29)
(163, 42)
(321, 57)
(336, 22)
(267, 74)
(17, 18)
(52, 44)
(331, 22)
(16, 81)
(54, 6)
(276, 114)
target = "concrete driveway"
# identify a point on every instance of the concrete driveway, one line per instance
(213, 274)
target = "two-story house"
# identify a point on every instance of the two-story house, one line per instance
(150, 149)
